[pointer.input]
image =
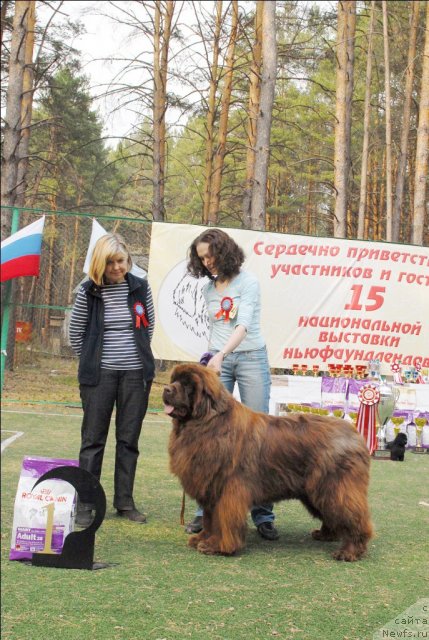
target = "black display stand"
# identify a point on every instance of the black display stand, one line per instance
(78, 548)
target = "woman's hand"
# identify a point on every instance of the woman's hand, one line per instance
(215, 363)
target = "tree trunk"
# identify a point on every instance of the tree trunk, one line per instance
(219, 157)
(382, 198)
(388, 124)
(422, 149)
(74, 255)
(51, 235)
(26, 108)
(366, 125)
(309, 206)
(4, 6)
(408, 229)
(162, 33)
(403, 151)
(253, 109)
(368, 206)
(351, 31)
(168, 18)
(12, 123)
(344, 89)
(263, 127)
(375, 196)
(211, 113)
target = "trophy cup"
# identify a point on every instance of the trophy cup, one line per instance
(374, 369)
(419, 433)
(388, 398)
(331, 370)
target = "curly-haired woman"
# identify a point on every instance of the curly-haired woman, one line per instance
(233, 302)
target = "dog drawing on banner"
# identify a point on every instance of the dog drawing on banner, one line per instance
(228, 458)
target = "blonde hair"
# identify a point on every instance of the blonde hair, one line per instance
(105, 248)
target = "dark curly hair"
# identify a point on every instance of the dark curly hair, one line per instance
(227, 254)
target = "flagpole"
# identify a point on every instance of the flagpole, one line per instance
(7, 303)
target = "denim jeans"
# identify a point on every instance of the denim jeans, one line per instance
(130, 393)
(251, 371)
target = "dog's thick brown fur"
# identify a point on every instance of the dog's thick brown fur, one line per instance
(229, 458)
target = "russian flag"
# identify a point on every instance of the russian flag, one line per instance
(20, 253)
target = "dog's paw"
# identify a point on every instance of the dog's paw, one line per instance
(345, 555)
(207, 549)
(194, 540)
(323, 535)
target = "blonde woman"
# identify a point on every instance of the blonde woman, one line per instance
(111, 329)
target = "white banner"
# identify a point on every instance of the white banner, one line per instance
(324, 300)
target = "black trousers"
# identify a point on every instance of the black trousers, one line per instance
(130, 393)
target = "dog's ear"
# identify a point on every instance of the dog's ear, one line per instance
(211, 397)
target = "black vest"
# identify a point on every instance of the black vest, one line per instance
(90, 358)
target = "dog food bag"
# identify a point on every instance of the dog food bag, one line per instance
(49, 507)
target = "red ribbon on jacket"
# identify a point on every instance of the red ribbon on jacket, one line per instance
(140, 312)
(369, 397)
(226, 305)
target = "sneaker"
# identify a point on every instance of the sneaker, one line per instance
(83, 518)
(268, 531)
(133, 515)
(195, 526)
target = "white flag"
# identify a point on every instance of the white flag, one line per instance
(96, 233)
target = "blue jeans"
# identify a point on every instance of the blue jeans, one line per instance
(251, 371)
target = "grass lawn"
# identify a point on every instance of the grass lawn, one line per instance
(159, 589)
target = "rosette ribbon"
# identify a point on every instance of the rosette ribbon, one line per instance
(420, 379)
(226, 305)
(140, 314)
(396, 370)
(369, 397)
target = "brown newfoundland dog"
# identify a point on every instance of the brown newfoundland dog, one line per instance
(228, 458)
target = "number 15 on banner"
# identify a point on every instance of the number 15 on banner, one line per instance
(375, 295)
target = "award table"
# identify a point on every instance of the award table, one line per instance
(307, 390)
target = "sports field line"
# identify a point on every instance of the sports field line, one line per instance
(8, 441)
(17, 434)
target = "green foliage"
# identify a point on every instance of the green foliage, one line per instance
(70, 161)
(70, 166)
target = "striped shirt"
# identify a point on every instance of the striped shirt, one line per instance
(119, 347)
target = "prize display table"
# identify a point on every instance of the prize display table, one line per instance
(320, 391)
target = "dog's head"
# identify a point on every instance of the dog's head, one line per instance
(400, 440)
(194, 393)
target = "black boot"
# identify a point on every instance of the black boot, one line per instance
(195, 526)
(268, 531)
